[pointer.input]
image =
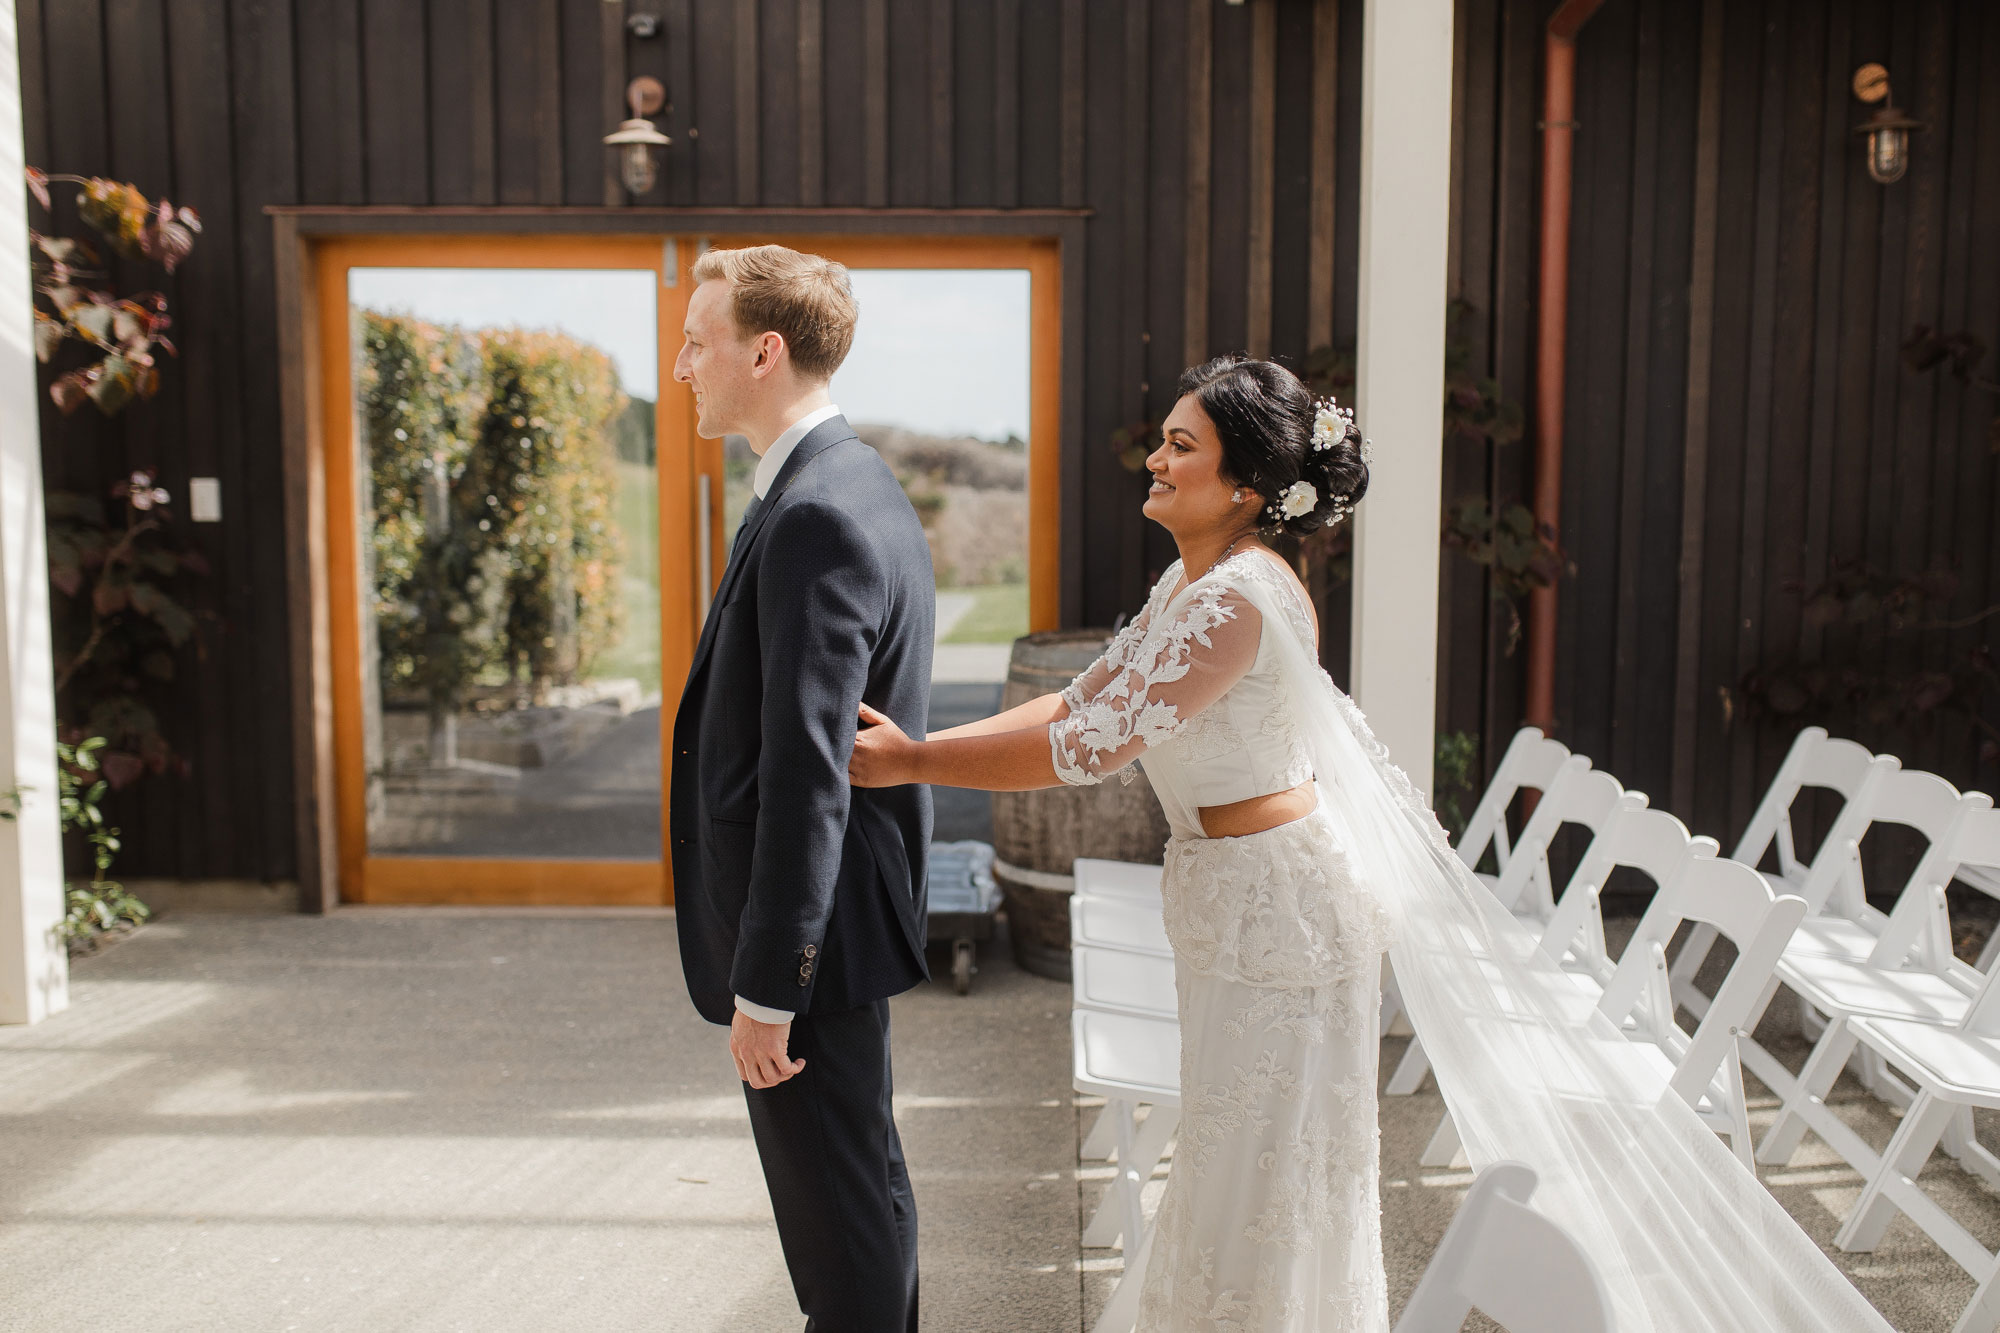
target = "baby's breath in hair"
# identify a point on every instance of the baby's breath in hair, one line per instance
(1332, 425)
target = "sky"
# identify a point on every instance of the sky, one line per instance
(944, 351)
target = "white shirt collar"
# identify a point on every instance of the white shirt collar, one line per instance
(773, 461)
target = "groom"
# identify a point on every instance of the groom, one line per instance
(800, 899)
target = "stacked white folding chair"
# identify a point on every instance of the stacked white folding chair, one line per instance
(1900, 968)
(1651, 842)
(1126, 1033)
(1576, 794)
(1531, 763)
(1953, 1069)
(1510, 1262)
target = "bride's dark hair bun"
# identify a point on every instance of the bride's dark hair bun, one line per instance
(1265, 418)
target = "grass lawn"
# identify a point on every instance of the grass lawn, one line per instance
(636, 509)
(1000, 615)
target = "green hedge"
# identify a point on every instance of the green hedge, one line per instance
(491, 467)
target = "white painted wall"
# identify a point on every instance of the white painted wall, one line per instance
(34, 971)
(1399, 390)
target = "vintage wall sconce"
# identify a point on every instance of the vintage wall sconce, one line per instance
(637, 138)
(1888, 130)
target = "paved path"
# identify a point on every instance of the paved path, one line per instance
(398, 1119)
(951, 608)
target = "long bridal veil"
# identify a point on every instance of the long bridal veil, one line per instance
(1687, 1239)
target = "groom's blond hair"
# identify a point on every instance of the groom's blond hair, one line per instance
(804, 299)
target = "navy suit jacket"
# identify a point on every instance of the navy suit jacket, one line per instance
(793, 889)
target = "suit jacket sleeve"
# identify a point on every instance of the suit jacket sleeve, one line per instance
(821, 605)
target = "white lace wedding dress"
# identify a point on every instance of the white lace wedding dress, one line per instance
(1271, 1219)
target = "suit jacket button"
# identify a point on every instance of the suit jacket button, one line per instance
(810, 951)
(805, 975)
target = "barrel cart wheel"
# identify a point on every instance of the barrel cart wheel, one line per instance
(961, 966)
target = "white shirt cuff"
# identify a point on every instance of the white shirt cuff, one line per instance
(762, 1013)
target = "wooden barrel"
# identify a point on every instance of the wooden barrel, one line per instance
(1038, 835)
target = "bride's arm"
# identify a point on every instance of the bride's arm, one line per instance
(1212, 644)
(1017, 760)
(1036, 713)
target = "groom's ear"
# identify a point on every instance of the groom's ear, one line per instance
(770, 347)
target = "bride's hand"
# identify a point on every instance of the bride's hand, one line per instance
(883, 755)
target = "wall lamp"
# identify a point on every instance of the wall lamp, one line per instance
(637, 138)
(1888, 130)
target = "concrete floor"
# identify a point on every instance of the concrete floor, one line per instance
(434, 1120)
(442, 1121)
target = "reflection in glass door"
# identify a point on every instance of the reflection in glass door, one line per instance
(507, 561)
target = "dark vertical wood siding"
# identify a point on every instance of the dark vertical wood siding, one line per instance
(1819, 445)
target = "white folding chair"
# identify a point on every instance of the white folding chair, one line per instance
(1704, 1066)
(1120, 961)
(1911, 978)
(1651, 842)
(1118, 879)
(1831, 884)
(1508, 1261)
(1129, 1061)
(1577, 794)
(1815, 760)
(1633, 837)
(1531, 762)
(1906, 971)
(1118, 923)
(1954, 1069)
(1118, 981)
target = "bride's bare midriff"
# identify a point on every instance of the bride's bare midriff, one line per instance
(1259, 814)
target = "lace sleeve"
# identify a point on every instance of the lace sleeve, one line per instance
(1118, 653)
(1117, 658)
(1170, 677)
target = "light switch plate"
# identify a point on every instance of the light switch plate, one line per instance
(205, 499)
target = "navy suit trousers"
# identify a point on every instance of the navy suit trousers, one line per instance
(833, 1161)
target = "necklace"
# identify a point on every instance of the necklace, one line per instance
(1219, 559)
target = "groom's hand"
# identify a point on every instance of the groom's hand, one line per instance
(760, 1051)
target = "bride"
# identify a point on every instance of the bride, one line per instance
(1270, 1219)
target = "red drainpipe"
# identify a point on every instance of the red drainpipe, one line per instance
(1558, 129)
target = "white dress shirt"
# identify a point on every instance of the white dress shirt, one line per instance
(768, 467)
(773, 461)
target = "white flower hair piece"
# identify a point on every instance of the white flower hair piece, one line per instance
(1301, 498)
(1331, 423)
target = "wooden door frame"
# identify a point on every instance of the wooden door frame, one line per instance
(303, 236)
(418, 878)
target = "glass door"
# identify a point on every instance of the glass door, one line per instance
(954, 378)
(523, 531)
(519, 566)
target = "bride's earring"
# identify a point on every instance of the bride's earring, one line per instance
(1236, 496)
